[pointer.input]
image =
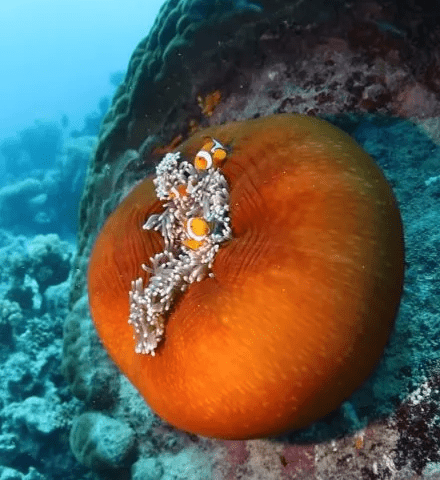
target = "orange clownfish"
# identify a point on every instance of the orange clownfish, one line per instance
(197, 229)
(211, 154)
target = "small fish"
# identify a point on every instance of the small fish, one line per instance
(211, 154)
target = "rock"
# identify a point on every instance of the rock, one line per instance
(7, 473)
(147, 469)
(101, 442)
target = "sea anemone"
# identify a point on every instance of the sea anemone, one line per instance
(291, 309)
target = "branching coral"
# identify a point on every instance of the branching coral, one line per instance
(45, 262)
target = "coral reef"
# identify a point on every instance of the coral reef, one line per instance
(45, 262)
(97, 387)
(36, 408)
(42, 179)
(34, 147)
(46, 201)
(41, 142)
(370, 68)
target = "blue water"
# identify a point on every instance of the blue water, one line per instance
(61, 63)
(56, 56)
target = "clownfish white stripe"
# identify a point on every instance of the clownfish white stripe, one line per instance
(191, 233)
(216, 145)
(207, 156)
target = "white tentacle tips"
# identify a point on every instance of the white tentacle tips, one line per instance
(194, 223)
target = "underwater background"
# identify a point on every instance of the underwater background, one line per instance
(93, 93)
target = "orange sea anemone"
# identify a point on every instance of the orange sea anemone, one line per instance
(300, 299)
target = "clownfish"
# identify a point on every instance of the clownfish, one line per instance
(211, 154)
(196, 229)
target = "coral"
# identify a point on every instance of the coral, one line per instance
(11, 149)
(10, 474)
(46, 201)
(68, 189)
(100, 442)
(98, 387)
(147, 469)
(49, 260)
(7, 473)
(21, 295)
(42, 142)
(10, 314)
(189, 463)
(44, 262)
(17, 201)
(34, 148)
(36, 415)
(36, 408)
